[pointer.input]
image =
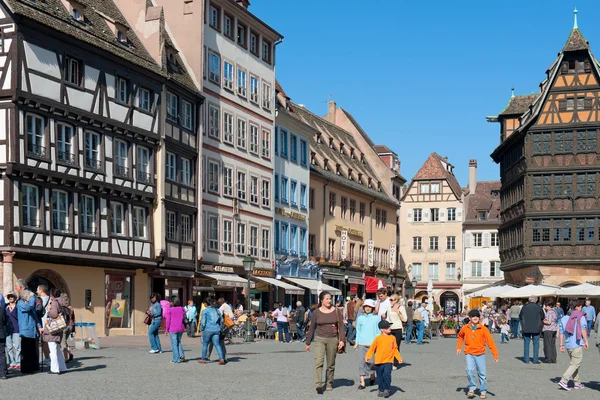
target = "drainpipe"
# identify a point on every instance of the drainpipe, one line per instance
(371, 219)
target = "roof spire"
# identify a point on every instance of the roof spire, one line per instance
(575, 19)
(513, 92)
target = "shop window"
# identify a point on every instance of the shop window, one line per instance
(118, 301)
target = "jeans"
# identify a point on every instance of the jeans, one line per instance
(590, 326)
(550, 346)
(153, 334)
(420, 330)
(13, 348)
(514, 327)
(527, 338)
(211, 337)
(222, 343)
(384, 376)
(479, 363)
(176, 346)
(351, 331)
(504, 338)
(283, 327)
(409, 329)
(300, 330)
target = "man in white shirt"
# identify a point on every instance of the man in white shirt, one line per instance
(421, 325)
(281, 314)
(383, 303)
(225, 308)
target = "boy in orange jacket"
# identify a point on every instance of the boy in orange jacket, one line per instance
(475, 337)
(385, 349)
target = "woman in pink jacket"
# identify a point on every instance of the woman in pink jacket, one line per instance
(174, 327)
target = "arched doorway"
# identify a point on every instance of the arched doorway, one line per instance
(449, 303)
(49, 278)
(421, 297)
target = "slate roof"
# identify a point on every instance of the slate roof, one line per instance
(483, 200)
(434, 169)
(178, 72)
(382, 148)
(576, 41)
(518, 105)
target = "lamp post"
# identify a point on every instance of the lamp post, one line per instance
(414, 286)
(248, 266)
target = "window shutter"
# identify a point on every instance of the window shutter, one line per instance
(467, 269)
(562, 105)
(425, 215)
(587, 104)
(409, 214)
(467, 239)
(486, 269)
(486, 239)
(442, 215)
(459, 214)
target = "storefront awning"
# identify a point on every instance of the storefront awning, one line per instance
(334, 277)
(289, 289)
(229, 280)
(312, 285)
(356, 281)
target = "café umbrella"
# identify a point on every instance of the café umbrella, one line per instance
(530, 290)
(583, 290)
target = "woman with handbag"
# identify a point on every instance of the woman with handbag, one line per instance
(396, 316)
(329, 340)
(155, 313)
(52, 335)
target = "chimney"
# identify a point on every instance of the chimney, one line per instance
(331, 113)
(243, 3)
(472, 175)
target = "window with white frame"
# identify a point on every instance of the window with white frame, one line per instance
(284, 238)
(254, 89)
(332, 204)
(450, 271)
(143, 165)
(293, 240)
(254, 190)
(73, 74)
(186, 171)
(495, 269)
(241, 133)
(253, 245)
(303, 152)
(228, 26)
(36, 135)
(117, 216)
(241, 185)
(240, 239)
(266, 193)
(417, 271)
(434, 271)
(227, 127)
(266, 54)
(424, 188)
(352, 210)
(494, 239)
(450, 242)
(417, 215)
(241, 35)
(242, 83)
(434, 243)
(172, 107)
(303, 197)
(266, 89)
(214, 67)
(122, 90)
(139, 222)
(451, 214)
(417, 243)
(172, 225)
(92, 151)
(253, 138)
(361, 212)
(435, 188)
(171, 167)
(266, 143)
(213, 176)
(213, 121)
(303, 244)
(266, 243)
(187, 115)
(477, 240)
(227, 181)
(213, 233)
(435, 214)
(144, 99)
(253, 43)
(186, 228)
(476, 269)
(228, 75)
(284, 189)
(213, 19)
(64, 143)
(60, 211)
(121, 158)
(88, 215)
(293, 193)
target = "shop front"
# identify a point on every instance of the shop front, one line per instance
(225, 281)
(267, 284)
(295, 268)
(169, 282)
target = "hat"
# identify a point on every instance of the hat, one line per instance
(384, 324)
(369, 303)
(11, 294)
(474, 313)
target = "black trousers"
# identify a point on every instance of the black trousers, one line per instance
(29, 361)
(398, 335)
(3, 370)
(550, 346)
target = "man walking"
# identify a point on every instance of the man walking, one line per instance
(421, 318)
(383, 303)
(409, 322)
(549, 332)
(573, 339)
(300, 315)
(531, 317)
(559, 312)
(590, 314)
(514, 319)
(351, 317)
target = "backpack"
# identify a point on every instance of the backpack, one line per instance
(65, 311)
(418, 316)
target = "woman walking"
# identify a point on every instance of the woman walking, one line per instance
(210, 326)
(366, 331)
(175, 328)
(155, 312)
(329, 338)
(396, 316)
(409, 322)
(57, 360)
(13, 340)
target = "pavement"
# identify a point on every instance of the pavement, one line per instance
(123, 369)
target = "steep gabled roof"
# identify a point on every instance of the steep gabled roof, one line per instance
(576, 41)
(518, 105)
(484, 200)
(433, 168)
(382, 149)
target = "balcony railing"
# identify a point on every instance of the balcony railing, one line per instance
(93, 164)
(144, 177)
(36, 150)
(121, 171)
(66, 157)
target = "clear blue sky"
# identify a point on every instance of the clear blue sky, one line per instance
(422, 76)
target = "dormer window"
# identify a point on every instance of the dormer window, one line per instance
(495, 194)
(362, 157)
(342, 149)
(369, 183)
(482, 215)
(360, 178)
(352, 153)
(350, 174)
(325, 164)
(379, 186)
(313, 161)
(338, 169)
(76, 14)
(575, 66)
(122, 37)
(318, 139)
(331, 143)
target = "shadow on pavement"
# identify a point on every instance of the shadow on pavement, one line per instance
(90, 368)
(594, 385)
(342, 382)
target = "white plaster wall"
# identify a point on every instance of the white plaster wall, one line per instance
(42, 60)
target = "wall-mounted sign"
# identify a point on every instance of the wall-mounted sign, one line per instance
(344, 244)
(265, 273)
(353, 232)
(182, 274)
(392, 257)
(371, 253)
(291, 214)
(227, 269)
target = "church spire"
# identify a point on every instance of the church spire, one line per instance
(575, 19)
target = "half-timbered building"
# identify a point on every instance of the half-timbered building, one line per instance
(549, 168)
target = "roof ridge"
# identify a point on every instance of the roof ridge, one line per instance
(324, 120)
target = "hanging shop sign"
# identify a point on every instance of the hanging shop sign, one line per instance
(353, 232)
(371, 252)
(181, 274)
(344, 244)
(265, 273)
(291, 214)
(392, 257)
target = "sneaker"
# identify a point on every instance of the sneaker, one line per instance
(394, 368)
(380, 394)
(329, 388)
(201, 362)
(564, 385)
(579, 386)
(17, 367)
(153, 351)
(182, 358)
(221, 362)
(175, 362)
(386, 394)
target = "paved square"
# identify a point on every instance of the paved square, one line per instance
(267, 369)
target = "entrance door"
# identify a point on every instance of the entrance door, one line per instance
(175, 291)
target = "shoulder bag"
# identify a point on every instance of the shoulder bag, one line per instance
(340, 327)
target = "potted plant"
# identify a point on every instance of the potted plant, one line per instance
(449, 327)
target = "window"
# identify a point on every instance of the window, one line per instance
(495, 268)
(186, 171)
(213, 233)
(303, 243)
(76, 15)
(482, 215)
(213, 19)
(417, 243)
(72, 73)
(476, 269)
(121, 163)
(241, 186)
(227, 181)
(117, 218)
(542, 143)
(541, 189)
(60, 210)
(64, 144)
(253, 43)
(424, 188)
(227, 236)
(434, 271)
(563, 142)
(563, 186)
(362, 212)
(417, 271)
(277, 236)
(172, 226)
(266, 103)
(254, 89)
(253, 139)
(242, 84)
(352, 210)
(214, 68)
(139, 222)
(213, 122)
(303, 152)
(266, 193)
(227, 127)
(228, 75)
(284, 189)
(435, 188)
(417, 215)
(378, 218)
(172, 103)
(294, 240)
(435, 214)
(383, 219)
(434, 243)
(266, 143)
(294, 193)
(264, 251)
(303, 196)
(332, 204)
(143, 165)
(144, 99)
(188, 115)
(228, 26)
(92, 151)
(562, 230)
(451, 214)
(284, 143)
(254, 190)
(88, 215)
(186, 228)
(477, 239)
(242, 33)
(36, 136)
(241, 133)
(494, 239)
(171, 167)
(213, 177)
(284, 237)
(266, 55)
(122, 90)
(276, 187)
(450, 271)
(253, 245)
(311, 199)
(586, 185)
(451, 242)
(541, 231)
(293, 148)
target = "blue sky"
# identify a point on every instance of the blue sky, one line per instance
(421, 77)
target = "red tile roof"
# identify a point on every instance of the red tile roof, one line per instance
(433, 168)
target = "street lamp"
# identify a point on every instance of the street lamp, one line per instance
(414, 286)
(248, 267)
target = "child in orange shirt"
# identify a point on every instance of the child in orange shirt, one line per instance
(385, 349)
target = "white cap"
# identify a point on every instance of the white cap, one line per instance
(369, 303)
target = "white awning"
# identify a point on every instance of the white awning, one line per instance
(289, 289)
(312, 284)
(530, 290)
(228, 280)
(585, 289)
